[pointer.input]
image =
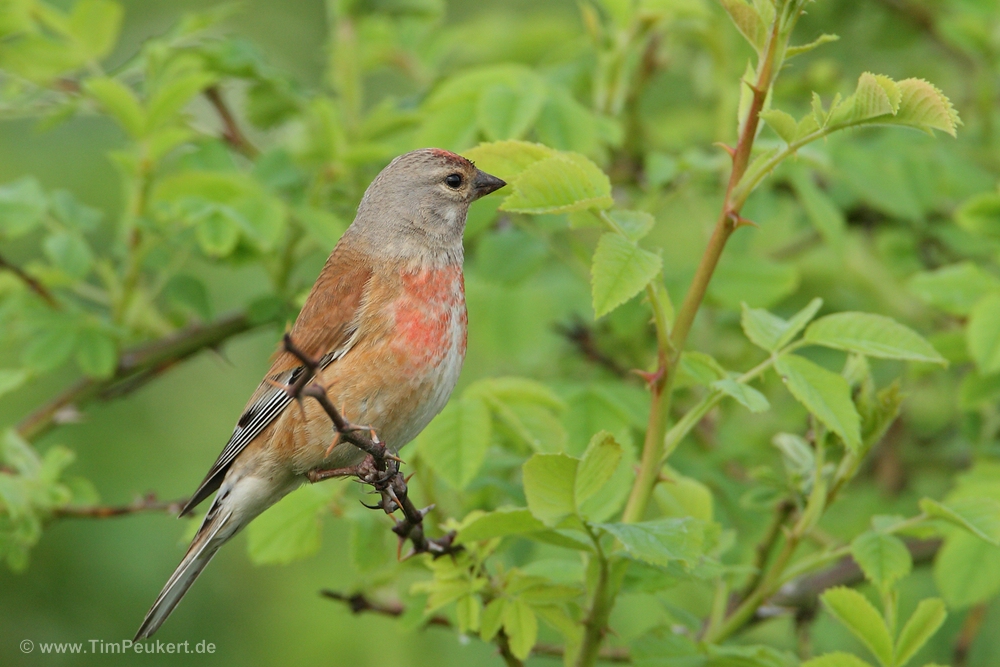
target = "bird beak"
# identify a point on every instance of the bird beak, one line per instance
(483, 184)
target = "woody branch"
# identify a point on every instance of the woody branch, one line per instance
(380, 469)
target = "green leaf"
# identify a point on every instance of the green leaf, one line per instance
(836, 659)
(492, 619)
(772, 333)
(95, 25)
(954, 289)
(508, 112)
(780, 122)
(748, 22)
(745, 395)
(982, 335)
(967, 570)
(170, 98)
(635, 224)
(559, 184)
(549, 486)
(217, 232)
(883, 558)
(22, 205)
(96, 353)
(70, 253)
(824, 394)
(11, 379)
(499, 523)
(661, 541)
(291, 529)
(190, 294)
(793, 51)
(922, 105)
(873, 336)
(979, 516)
(521, 627)
(120, 102)
(824, 214)
(454, 444)
(925, 621)
(698, 368)
(50, 347)
(621, 270)
(597, 466)
(508, 159)
(980, 214)
(859, 616)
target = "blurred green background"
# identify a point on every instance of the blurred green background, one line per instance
(94, 579)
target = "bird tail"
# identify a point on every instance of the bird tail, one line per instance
(202, 549)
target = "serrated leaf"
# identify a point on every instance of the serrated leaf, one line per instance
(559, 184)
(499, 523)
(120, 102)
(980, 516)
(883, 558)
(454, 444)
(924, 106)
(745, 395)
(825, 394)
(859, 616)
(492, 619)
(620, 270)
(925, 621)
(748, 21)
(771, 332)
(508, 159)
(982, 334)
(508, 112)
(782, 123)
(661, 541)
(871, 335)
(549, 486)
(597, 466)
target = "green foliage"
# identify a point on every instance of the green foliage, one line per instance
(654, 514)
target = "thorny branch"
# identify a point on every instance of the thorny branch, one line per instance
(380, 469)
(360, 604)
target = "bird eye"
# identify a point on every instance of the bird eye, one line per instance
(453, 181)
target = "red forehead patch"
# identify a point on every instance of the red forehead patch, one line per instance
(448, 155)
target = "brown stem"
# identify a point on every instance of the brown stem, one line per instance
(31, 283)
(582, 337)
(970, 630)
(360, 604)
(147, 503)
(135, 367)
(231, 132)
(764, 549)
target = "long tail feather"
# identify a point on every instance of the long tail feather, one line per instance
(198, 555)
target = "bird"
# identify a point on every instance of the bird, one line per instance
(386, 318)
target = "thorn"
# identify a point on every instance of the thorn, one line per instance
(726, 147)
(650, 378)
(333, 443)
(406, 480)
(377, 506)
(737, 221)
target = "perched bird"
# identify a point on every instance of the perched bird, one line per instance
(387, 319)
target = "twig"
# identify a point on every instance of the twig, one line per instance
(380, 468)
(581, 336)
(135, 367)
(360, 604)
(147, 503)
(764, 549)
(231, 131)
(32, 284)
(970, 630)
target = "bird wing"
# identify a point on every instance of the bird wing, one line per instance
(326, 329)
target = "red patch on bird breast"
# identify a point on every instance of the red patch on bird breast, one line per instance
(428, 312)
